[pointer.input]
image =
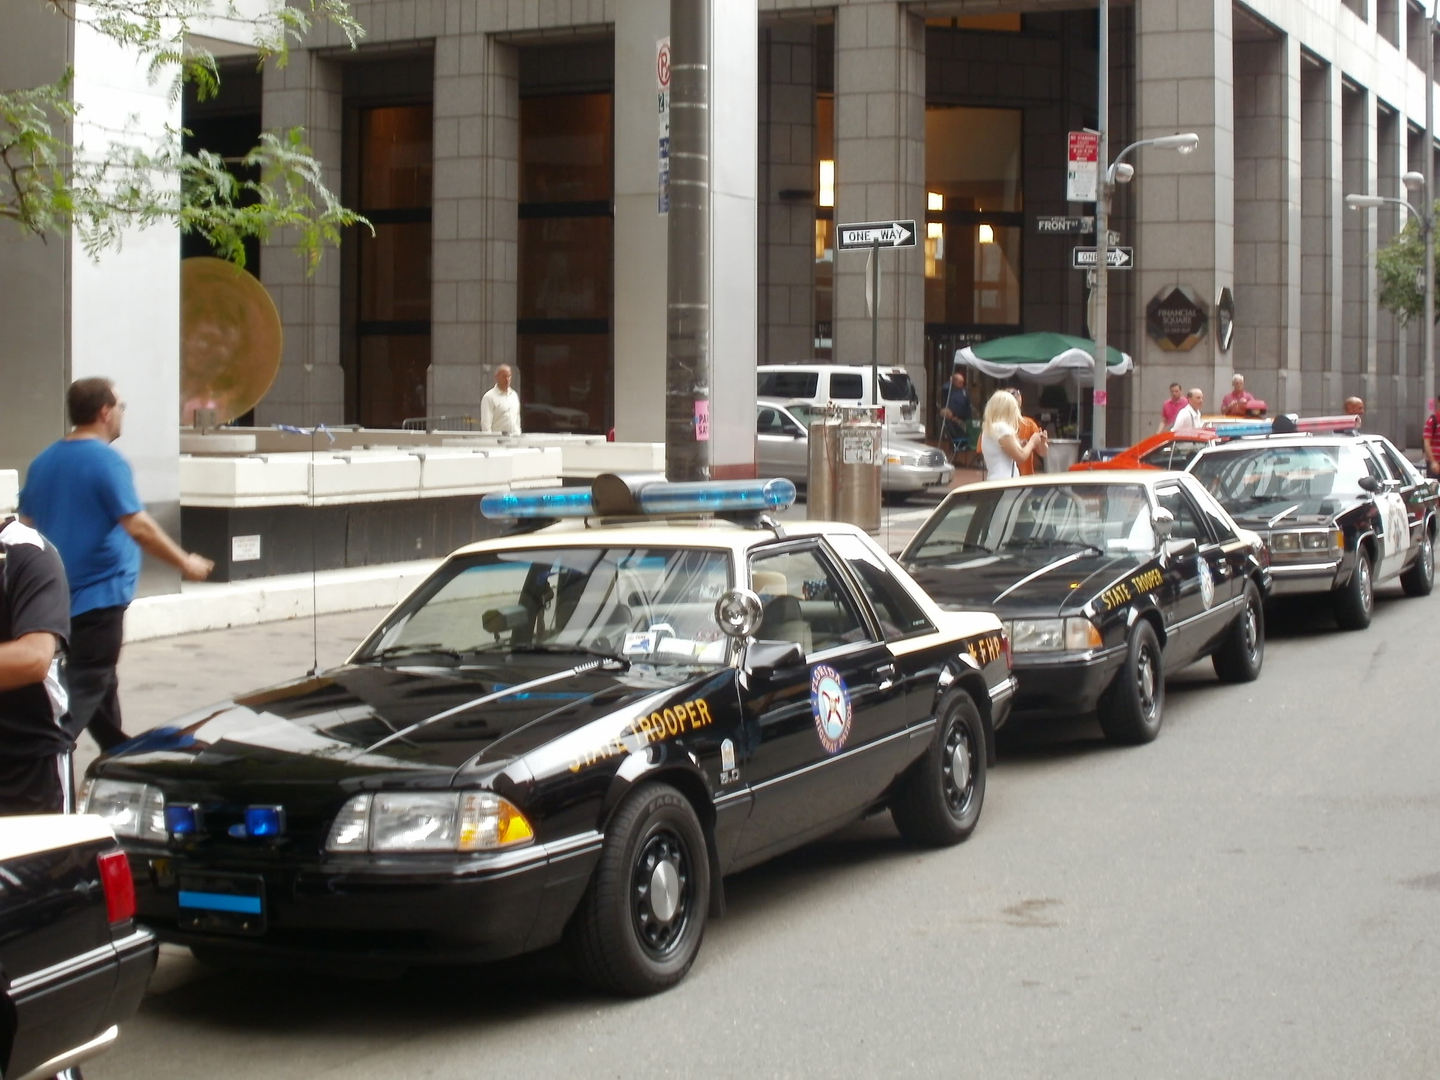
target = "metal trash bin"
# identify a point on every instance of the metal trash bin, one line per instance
(1062, 454)
(861, 446)
(824, 450)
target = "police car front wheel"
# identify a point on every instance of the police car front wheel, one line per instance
(939, 800)
(639, 926)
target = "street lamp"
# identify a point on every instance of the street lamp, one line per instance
(1416, 181)
(1118, 172)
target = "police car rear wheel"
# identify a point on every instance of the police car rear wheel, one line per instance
(1420, 578)
(939, 800)
(1355, 603)
(1240, 658)
(1133, 705)
(639, 926)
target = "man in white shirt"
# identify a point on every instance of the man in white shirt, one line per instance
(1188, 419)
(500, 407)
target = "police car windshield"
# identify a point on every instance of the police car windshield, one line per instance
(1256, 481)
(646, 605)
(1059, 517)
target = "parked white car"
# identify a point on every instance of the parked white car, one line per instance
(847, 384)
(782, 441)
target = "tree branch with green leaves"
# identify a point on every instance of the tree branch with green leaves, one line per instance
(136, 179)
(1398, 264)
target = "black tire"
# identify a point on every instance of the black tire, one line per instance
(617, 939)
(1132, 707)
(939, 799)
(1420, 578)
(1242, 655)
(1355, 602)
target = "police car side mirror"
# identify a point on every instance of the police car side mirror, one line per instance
(1178, 549)
(739, 613)
(1163, 523)
(1370, 484)
(765, 659)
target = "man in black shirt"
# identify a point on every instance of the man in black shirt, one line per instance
(34, 627)
(956, 413)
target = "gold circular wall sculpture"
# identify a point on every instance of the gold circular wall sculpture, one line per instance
(230, 339)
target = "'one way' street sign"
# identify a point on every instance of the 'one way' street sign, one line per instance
(1116, 258)
(888, 234)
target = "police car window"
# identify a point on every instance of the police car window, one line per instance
(772, 422)
(1175, 454)
(1402, 468)
(846, 386)
(1214, 513)
(1058, 517)
(899, 614)
(1188, 525)
(1386, 471)
(804, 602)
(788, 384)
(1254, 482)
(652, 605)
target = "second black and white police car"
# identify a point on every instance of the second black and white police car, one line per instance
(569, 733)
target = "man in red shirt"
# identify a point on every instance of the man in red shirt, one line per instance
(1171, 409)
(1237, 402)
(1431, 443)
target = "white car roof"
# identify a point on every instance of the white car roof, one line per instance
(701, 532)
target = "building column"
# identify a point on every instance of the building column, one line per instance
(787, 193)
(1186, 227)
(474, 243)
(880, 175)
(1321, 199)
(641, 239)
(1380, 392)
(1354, 373)
(310, 387)
(1266, 231)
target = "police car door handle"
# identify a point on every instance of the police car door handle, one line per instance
(886, 674)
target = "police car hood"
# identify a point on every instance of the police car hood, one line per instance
(1025, 581)
(372, 718)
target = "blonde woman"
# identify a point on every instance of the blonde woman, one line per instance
(1002, 450)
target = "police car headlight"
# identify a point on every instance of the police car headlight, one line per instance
(1284, 542)
(428, 821)
(1053, 635)
(134, 810)
(1322, 541)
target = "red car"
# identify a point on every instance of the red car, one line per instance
(1167, 450)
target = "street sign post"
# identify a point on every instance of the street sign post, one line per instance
(662, 102)
(872, 234)
(1116, 258)
(1057, 225)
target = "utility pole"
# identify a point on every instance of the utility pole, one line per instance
(1101, 329)
(687, 349)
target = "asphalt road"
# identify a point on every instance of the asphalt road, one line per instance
(1255, 894)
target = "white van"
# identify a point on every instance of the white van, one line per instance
(846, 384)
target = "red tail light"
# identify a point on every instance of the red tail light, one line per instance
(118, 884)
(882, 414)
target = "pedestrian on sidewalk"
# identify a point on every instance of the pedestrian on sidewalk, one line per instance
(1171, 409)
(1189, 418)
(1028, 427)
(999, 445)
(80, 493)
(1355, 406)
(500, 407)
(1431, 444)
(956, 413)
(35, 775)
(1239, 400)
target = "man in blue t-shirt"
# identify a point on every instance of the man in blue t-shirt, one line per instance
(80, 493)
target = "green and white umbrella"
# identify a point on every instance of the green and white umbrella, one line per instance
(1043, 358)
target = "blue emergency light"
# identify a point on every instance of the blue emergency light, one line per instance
(568, 502)
(1228, 431)
(182, 819)
(264, 821)
(625, 496)
(717, 497)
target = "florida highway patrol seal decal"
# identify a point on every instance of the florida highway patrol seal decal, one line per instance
(1207, 584)
(830, 702)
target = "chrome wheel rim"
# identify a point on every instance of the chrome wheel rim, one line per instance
(1366, 598)
(1427, 560)
(958, 766)
(662, 893)
(1252, 630)
(1147, 684)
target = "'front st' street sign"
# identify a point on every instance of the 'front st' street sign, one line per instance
(887, 234)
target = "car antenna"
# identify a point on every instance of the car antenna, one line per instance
(312, 432)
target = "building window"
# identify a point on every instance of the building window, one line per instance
(392, 268)
(1005, 24)
(566, 271)
(825, 226)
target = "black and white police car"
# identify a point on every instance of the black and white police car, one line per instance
(571, 733)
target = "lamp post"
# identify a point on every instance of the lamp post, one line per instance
(1117, 172)
(1416, 181)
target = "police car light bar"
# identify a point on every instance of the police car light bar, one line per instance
(717, 497)
(1286, 425)
(1232, 431)
(571, 502)
(621, 496)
